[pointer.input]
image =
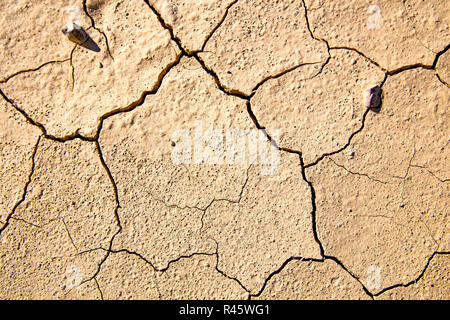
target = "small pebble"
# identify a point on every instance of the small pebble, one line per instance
(75, 33)
(373, 97)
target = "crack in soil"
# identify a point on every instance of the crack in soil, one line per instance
(93, 26)
(357, 173)
(68, 233)
(231, 92)
(430, 172)
(218, 25)
(172, 261)
(25, 189)
(6, 79)
(415, 280)
(227, 200)
(116, 209)
(72, 66)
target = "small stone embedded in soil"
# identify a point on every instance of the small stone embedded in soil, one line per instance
(75, 33)
(373, 97)
(78, 35)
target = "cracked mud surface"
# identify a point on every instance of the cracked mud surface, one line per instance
(94, 205)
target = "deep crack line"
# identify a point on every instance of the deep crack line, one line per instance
(211, 72)
(416, 279)
(327, 154)
(314, 206)
(111, 178)
(169, 28)
(279, 270)
(338, 262)
(282, 73)
(163, 270)
(224, 89)
(85, 9)
(156, 269)
(442, 81)
(314, 227)
(226, 275)
(6, 79)
(41, 127)
(25, 189)
(72, 66)
(302, 259)
(402, 68)
(439, 54)
(141, 99)
(308, 26)
(387, 72)
(218, 25)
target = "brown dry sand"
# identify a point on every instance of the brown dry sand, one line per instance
(141, 170)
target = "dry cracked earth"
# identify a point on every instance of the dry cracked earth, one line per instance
(93, 206)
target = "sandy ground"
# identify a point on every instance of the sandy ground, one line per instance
(137, 171)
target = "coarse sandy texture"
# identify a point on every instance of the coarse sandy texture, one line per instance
(392, 33)
(171, 199)
(31, 36)
(70, 184)
(443, 68)
(432, 286)
(387, 205)
(223, 150)
(192, 21)
(317, 126)
(17, 145)
(70, 97)
(260, 39)
(312, 280)
(68, 209)
(126, 276)
(196, 277)
(268, 224)
(41, 262)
